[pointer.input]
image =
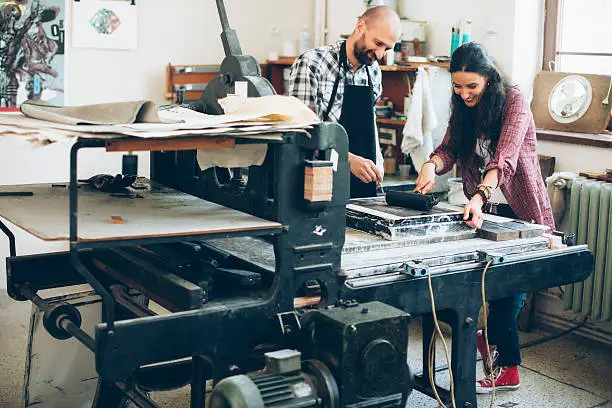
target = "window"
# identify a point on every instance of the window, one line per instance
(578, 36)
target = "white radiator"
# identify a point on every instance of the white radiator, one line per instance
(590, 218)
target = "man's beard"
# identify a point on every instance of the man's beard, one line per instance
(364, 56)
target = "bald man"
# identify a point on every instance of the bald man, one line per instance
(341, 82)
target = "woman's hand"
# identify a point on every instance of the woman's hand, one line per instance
(472, 213)
(427, 178)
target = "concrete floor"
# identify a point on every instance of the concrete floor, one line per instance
(568, 372)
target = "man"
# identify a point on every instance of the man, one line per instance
(341, 82)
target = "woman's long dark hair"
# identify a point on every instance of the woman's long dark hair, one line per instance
(466, 123)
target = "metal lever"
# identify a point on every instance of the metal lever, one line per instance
(229, 38)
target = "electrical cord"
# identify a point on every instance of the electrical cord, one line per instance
(554, 336)
(541, 340)
(431, 354)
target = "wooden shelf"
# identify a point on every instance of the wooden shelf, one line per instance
(391, 122)
(285, 61)
(603, 140)
(413, 66)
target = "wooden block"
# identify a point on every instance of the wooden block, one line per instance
(555, 241)
(318, 171)
(525, 229)
(496, 232)
(318, 180)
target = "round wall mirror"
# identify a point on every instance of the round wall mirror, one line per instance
(570, 98)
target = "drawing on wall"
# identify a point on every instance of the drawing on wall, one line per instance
(105, 21)
(31, 51)
(110, 24)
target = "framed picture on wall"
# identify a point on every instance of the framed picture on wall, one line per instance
(108, 24)
(31, 52)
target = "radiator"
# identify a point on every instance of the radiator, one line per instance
(590, 218)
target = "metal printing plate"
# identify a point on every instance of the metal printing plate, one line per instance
(374, 216)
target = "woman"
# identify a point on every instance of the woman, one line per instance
(491, 135)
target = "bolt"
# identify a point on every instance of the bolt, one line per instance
(468, 320)
(364, 310)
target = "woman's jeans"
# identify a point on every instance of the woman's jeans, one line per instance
(503, 329)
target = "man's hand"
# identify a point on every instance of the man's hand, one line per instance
(364, 169)
(472, 213)
(427, 178)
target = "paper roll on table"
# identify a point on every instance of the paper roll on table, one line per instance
(415, 201)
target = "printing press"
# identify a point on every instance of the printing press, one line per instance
(264, 289)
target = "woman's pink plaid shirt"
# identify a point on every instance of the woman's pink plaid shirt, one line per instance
(520, 178)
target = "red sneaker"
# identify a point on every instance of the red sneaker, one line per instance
(506, 378)
(484, 353)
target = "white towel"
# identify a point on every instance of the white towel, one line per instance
(421, 119)
(428, 114)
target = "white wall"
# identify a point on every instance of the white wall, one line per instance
(528, 43)
(180, 32)
(492, 24)
(342, 16)
(576, 158)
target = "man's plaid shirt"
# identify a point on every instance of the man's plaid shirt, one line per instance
(313, 75)
(312, 80)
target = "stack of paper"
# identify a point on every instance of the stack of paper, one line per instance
(263, 117)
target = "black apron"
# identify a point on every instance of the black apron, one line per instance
(357, 118)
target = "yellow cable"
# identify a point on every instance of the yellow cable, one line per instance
(438, 331)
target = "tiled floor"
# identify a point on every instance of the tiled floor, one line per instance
(568, 372)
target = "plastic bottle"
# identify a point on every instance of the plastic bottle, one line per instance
(466, 32)
(397, 52)
(305, 40)
(454, 40)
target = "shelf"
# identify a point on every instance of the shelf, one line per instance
(413, 66)
(391, 122)
(157, 214)
(286, 61)
(603, 140)
(408, 67)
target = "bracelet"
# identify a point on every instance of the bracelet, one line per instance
(432, 161)
(487, 190)
(483, 195)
